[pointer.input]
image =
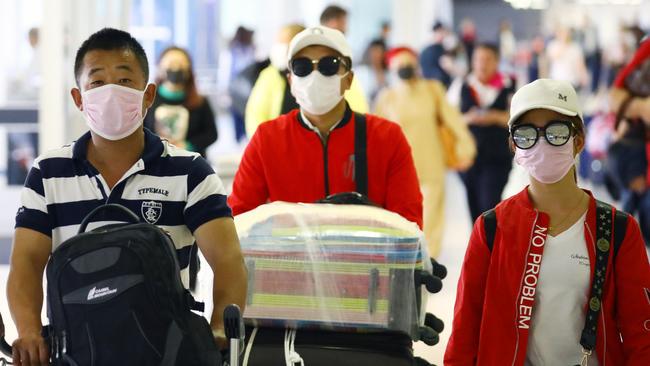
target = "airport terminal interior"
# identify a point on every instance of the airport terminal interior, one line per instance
(474, 54)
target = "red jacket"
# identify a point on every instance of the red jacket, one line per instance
(485, 316)
(286, 161)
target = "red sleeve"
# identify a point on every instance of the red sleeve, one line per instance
(639, 56)
(402, 186)
(250, 187)
(462, 348)
(632, 276)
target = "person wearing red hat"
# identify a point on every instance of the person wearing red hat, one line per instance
(420, 107)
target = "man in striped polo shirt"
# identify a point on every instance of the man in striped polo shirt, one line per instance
(118, 161)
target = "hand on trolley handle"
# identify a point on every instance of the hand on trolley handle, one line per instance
(36, 349)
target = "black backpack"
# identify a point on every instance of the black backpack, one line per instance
(115, 297)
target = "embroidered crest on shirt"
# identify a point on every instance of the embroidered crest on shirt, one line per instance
(151, 211)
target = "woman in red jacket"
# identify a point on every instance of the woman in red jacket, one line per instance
(552, 276)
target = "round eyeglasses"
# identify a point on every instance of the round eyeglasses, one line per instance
(556, 133)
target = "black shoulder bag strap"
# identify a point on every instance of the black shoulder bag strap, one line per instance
(490, 227)
(360, 154)
(604, 226)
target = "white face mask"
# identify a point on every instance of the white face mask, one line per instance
(315, 93)
(278, 56)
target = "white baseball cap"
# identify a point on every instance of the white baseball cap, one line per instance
(556, 95)
(320, 36)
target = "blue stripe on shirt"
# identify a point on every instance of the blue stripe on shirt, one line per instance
(34, 181)
(72, 213)
(34, 219)
(170, 166)
(60, 168)
(209, 208)
(200, 170)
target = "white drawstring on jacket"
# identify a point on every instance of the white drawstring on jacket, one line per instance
(585, 357)
(291, 357)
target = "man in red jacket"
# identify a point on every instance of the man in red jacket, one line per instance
(308, 154)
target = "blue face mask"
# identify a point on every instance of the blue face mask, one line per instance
(170, 95)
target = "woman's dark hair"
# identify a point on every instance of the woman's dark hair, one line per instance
(366, 54)
(194, 99)
(109, 39)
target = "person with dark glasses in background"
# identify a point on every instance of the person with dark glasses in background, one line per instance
(552, 276)
(309, 153)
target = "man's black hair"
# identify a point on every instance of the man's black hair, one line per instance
(332, 12)
(490, 47)
(109, 39)
(438, 26)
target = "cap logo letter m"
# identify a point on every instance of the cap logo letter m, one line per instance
(561, 97)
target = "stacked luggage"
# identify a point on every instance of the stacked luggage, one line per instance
(334, 280)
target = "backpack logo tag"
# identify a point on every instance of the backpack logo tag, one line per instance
(96, 293)
(151, 211)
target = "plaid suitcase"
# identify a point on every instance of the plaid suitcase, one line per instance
(350, 268)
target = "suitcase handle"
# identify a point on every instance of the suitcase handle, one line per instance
(111, 206)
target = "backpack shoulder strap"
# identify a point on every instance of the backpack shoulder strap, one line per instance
(604, 225)
(620, 228)
(360, 154)
(490, 227)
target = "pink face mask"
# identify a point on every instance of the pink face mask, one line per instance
(547, 163)
(113, 111)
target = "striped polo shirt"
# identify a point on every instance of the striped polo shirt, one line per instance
(176, 190)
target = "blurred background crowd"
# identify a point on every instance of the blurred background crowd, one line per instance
(221, 70)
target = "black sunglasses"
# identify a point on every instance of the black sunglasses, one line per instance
(328, 65)
(556, 133)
